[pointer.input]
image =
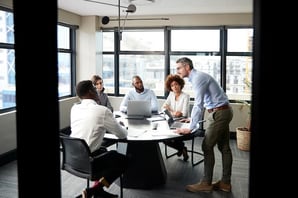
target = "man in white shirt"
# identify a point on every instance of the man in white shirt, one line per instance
(139, 93)
(90, 121)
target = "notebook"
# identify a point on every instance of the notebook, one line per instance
(138, 109)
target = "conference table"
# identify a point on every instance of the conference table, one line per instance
(146, 167)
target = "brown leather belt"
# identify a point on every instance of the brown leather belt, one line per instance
(218, 108)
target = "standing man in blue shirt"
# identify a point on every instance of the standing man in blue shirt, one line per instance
(139, 93)
(209, 95)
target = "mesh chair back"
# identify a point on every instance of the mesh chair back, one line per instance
(76, 156)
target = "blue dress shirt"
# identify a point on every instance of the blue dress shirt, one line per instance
(208, 94)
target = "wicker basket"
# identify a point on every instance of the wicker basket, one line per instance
(243, 139)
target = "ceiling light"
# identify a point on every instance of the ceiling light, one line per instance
(131, 8)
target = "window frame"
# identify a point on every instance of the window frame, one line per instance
(223, 53)
(71, 50)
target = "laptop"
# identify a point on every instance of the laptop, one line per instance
(175, 123)
(138, 109)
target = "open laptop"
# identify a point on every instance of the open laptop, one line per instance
(138, 109)
(175, 123)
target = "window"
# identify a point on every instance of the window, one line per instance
(66, 63)
(65, 59)
(202, 46)
(239, 63)
(7, 61)
(142, 53)
(223, 52)
(195, 40)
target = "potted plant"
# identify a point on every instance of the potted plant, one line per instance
(243, 133)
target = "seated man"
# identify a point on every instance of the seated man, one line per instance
(90, 121)
(139, 93)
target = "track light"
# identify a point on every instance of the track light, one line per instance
(131, 8)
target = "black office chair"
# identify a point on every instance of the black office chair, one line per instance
(78, 160)
(200, 132)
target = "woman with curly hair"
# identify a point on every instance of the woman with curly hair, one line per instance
(177, 103)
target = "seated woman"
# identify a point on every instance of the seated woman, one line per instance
(102, 97)
(177, 103)
(102, 100)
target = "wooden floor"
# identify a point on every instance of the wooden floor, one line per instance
(180, 174)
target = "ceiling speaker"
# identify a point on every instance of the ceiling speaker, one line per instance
(105, 20)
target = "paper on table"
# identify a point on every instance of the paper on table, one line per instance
(136, 132)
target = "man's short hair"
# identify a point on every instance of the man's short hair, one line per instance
(185, 60)
(83, 87)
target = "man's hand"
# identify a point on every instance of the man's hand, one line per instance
(186, 120)
(177, 114)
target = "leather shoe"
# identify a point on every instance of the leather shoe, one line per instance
(179, 153)
(200, 187)
(101, 193)
(219, 185)
(185, 154)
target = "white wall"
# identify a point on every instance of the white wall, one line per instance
(64, 111)
(6, 3)
(8, 139)
(8, 131)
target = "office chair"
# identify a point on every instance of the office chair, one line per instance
(200, 132)
(78, 160)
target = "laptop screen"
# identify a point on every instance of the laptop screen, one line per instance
(139, 108)
(168, 117)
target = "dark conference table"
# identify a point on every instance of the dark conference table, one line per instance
(146, 169)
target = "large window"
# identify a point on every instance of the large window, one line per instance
(202, 46)
(65, 59)
(141, 53)
(7, 61)
(239, 63)
(223, 52)
(66, 63)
